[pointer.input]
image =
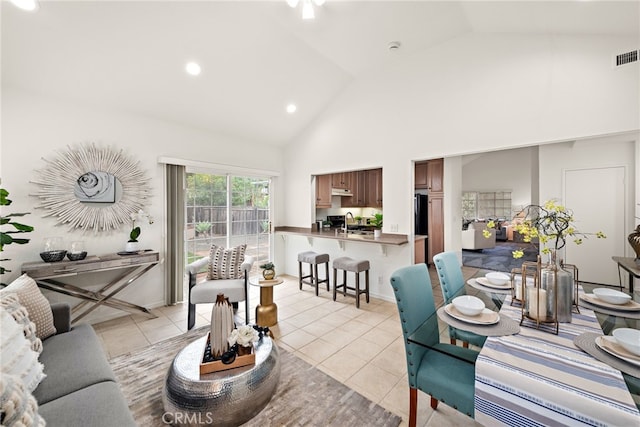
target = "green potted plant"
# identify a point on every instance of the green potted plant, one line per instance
(376, 222)
(358, 219)
(7, 237)
(268, 270)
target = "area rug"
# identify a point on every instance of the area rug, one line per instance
(499, 258)
(305, 395)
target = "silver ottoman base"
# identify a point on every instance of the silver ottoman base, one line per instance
(225, 398)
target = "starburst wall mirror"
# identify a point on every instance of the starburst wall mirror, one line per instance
(90, 187)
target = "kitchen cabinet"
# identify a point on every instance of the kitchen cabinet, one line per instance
(420, 255)
(323, 191)
(421, 175)
(435, 210)
(374, 188)
(359, 190)
(341, 180)
(435, 173)
(429, 175)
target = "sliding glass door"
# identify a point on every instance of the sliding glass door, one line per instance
(227, 211)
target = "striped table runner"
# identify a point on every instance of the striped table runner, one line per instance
(537, 378)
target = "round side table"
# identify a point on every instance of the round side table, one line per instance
(267, 310)
(224, 398)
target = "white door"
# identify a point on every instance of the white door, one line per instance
(596, 197)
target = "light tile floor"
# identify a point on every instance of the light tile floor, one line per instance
(362, 348)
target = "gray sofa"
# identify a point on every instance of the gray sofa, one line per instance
(80, 388)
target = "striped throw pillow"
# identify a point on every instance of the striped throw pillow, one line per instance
(226, 263)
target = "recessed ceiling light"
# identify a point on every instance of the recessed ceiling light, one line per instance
(291, 108)
(28, 5)
(193, 68)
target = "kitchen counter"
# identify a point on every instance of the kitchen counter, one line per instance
(384, 239)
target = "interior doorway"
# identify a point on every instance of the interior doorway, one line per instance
(597, 211)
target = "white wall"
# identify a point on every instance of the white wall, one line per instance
(471, 94)
(35, 127)
(503, 92)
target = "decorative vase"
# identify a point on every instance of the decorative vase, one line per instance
(132, 247)
(268, 273)
(221, 325)
(558, 284)
(634, 241)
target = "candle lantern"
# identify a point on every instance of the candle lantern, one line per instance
(540, 300)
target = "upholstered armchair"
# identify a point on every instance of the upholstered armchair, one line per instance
(473, 237)
(206, 290)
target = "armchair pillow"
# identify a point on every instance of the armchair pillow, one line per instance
(35, 303)
(226, 263)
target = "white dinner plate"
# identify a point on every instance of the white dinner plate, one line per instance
(592, 299)
(487, 317)
(611, 349)
(485, 282)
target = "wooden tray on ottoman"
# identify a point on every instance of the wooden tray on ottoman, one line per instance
(217, 365)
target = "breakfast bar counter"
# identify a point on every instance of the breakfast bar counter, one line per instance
(341, 236)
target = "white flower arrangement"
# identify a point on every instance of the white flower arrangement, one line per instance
(244, 336)
(138, 216)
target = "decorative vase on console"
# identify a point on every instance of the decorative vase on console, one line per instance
(634, 241)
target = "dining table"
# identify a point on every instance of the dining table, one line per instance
(537, 377)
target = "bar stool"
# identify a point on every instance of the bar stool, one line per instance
(313, 259)
(357, 266)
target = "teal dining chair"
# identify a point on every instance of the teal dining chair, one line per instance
(446, 372)
(452, 285)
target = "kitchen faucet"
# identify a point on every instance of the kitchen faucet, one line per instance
(346, 221)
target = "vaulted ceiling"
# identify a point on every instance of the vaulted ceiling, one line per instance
(256, 57)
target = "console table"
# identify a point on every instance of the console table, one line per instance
(630, 266)
(48, 275)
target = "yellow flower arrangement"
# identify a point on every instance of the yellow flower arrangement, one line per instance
(551, 223)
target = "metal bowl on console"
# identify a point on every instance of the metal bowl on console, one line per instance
(53, 256)
(77, 256)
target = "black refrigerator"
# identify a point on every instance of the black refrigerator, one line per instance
(421, 204)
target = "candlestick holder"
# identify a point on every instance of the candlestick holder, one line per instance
(540, 300)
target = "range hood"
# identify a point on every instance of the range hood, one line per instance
(341, 192)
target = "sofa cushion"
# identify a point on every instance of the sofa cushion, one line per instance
(35, 303)
(97, 405)
(226, 263)
(72, 361)
(16, 355)
(11, 303)
(17, 405)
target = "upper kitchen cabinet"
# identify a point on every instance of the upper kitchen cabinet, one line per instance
(341, 180)
(421, 175)
(323, 191)
(359, 190)
(428, 175)
(374, 188)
